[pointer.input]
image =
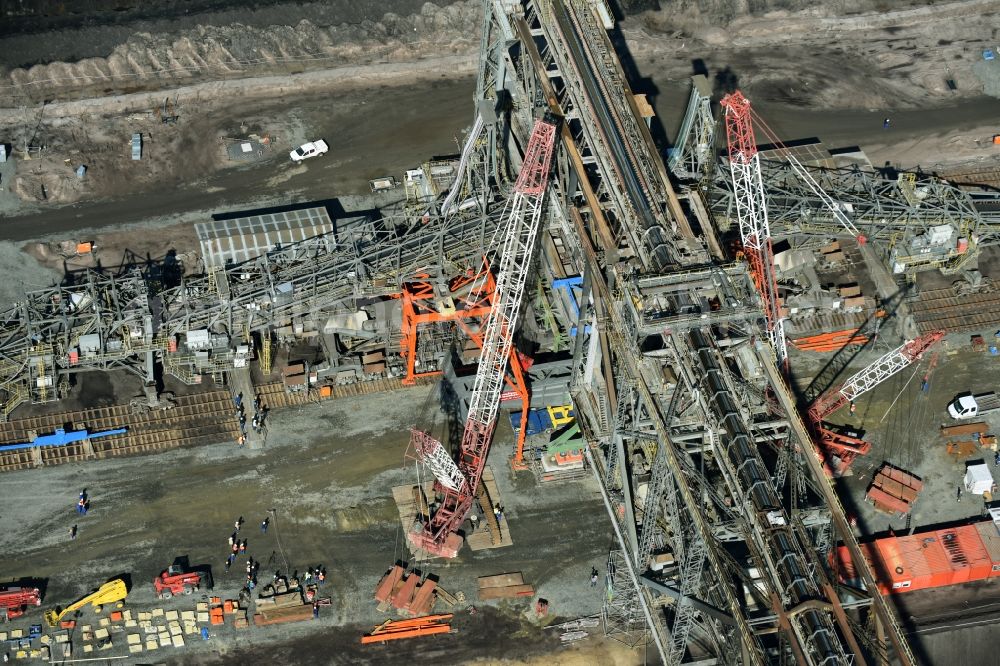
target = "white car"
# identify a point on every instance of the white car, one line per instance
(307, 150)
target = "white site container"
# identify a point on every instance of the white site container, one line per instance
(978, 479)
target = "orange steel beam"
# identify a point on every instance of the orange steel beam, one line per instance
(419, 308)
(406, 633)
(521, 386)
(392, 630)
(421, 621)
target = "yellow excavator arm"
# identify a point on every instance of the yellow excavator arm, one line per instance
(110, 592)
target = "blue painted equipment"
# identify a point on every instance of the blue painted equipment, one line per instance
(61, 438)
(538, 422)
(543, 420)
(570, 285)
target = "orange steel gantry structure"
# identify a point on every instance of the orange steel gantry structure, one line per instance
(469, 297)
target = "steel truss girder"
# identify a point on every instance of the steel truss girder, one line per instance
(623, 336)
(323, 274)
(42, 333)
(883, 210)
(693, 152)
(777, 548)
(872, 375)
(621, 610)
(688, 506)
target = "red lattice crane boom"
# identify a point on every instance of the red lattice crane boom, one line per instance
(751, 211)
(457, 483)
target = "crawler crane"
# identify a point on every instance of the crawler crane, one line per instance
(457, 483)
(839, 449)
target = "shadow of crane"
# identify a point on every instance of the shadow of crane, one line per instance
(834, 368)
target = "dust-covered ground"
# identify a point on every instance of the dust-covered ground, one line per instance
(386, 75)
(107, 57)
(326, 473)
(372, 131)
(835, 55)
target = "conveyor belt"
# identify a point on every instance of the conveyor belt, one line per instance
(655, 234)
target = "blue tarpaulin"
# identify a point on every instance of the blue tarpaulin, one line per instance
(61, 438)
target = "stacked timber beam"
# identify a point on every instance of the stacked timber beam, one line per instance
(984, 175)
(194, 420)
(406, 592)
(282, 607)
(275, 396)
(504, 586)
(201, 418)
(893, 490)
(942, 310)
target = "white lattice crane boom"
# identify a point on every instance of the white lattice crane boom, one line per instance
(751, 212)
(846, 447)
(521, 220)
(434, 456)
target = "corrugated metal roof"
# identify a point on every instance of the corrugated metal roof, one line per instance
(935, 558)
(933, 548)
(990, 536)
(969, 545)
(893, 559)
(243, 238)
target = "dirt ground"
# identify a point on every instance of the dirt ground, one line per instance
(842, 55)
(903, 422)
(372, 72)
(356, 121)
(326, 474)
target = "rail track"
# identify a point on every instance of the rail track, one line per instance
(942, 310)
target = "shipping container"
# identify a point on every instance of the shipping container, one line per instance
(936, 558)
